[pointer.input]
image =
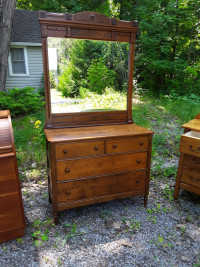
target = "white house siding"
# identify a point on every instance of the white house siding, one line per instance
(35, 68)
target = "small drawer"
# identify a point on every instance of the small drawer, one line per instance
(190, 176)
(127, 144)
(190, 143)
(84, 149)
(7, 169)
(101, 186)
(9, 186)
(10, 221)
(9, 202)
(191, 161)
(95, 166)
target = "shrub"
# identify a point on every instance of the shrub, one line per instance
(100, 76)
(66, 83)
(21, 101)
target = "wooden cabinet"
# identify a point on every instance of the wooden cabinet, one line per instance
(12, 221)
(188, 176)
(109, 165)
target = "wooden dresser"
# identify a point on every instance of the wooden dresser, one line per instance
(12, 220)
(95, 164)
(188, 176)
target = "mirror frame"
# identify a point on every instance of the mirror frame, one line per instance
(91, 26)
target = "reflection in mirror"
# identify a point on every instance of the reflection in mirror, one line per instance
(87, 75)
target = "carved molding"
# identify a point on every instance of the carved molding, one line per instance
(56, 28)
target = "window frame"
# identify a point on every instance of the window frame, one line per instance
(25, 62)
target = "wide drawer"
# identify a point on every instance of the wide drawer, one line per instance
(73, 150)
(9, 202)
(127, 144)
(100, 186)
(190, 143)
(10, 221)
(7, 169)
(191, 161)
(71, 169)
(191, 176)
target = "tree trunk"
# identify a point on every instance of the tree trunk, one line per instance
(7, 9)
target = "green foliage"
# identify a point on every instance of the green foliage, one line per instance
(100, 76)
(21, 101)
(52, 80)
(66, 83)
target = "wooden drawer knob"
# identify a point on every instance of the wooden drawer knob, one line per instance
(137, 181)
(96, 148)
(141, 143)
(65, 151)
(195, 180)
(67, 170)
(114, 146)
(138, 160)
(68, 192)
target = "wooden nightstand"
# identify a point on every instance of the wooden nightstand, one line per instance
(188, 176)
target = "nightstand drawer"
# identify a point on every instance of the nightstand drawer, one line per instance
(95, 166)
(101, 186)
(84, 149)
(127, 144)
(191, 161)
(9, 202)
(191, 176)
(190, 143)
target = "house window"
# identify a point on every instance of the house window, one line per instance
(18, 61)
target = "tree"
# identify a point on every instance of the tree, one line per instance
(7, 9)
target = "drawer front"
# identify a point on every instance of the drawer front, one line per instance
(127, 144)
(190, 176)
(8, 186)
(191, 161)
(71, 169)
(69, 150)
(100, 186)
(190, 146)
(10, 221)
(7, 169)
(9, 202)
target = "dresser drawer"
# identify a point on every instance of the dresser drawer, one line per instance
(100, 186)
(7, 169)
(190, 143)
(9, 202)
(9, 186)
(127, 144)
(11, 220)
(191, 161)
(71, 169)
(191, 176)
(84, 149)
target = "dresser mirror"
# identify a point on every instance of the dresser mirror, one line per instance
(87, 75)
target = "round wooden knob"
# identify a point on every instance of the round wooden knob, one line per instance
(68, 192)
(65, 151)
(96, 148)
(138, 160)
(141, 143)
(137, 181)
(67, 170)
(114, 146)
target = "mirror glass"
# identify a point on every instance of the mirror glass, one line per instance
(87, 75)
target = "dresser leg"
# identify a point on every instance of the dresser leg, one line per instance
(145, 200)
(178, 178)
(55, 218)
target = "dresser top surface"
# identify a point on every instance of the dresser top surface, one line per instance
(95, 132)
(192, 125)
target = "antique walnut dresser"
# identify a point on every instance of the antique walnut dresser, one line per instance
(188, 176)
(12, 220)
(96, 156)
